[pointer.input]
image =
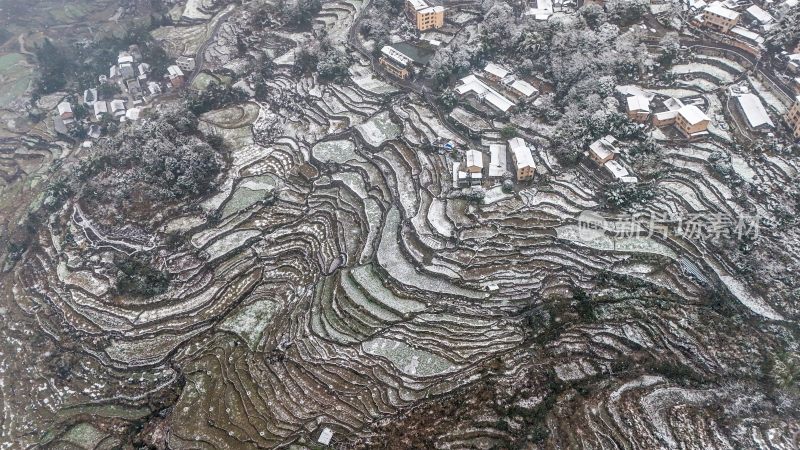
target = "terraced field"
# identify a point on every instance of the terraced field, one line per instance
(344, 285)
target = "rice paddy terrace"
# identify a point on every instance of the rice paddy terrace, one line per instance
(345, 286)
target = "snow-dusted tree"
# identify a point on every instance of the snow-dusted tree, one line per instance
(626, 12)
(785, 34)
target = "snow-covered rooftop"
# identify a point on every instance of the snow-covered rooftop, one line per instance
(396, 55)
(524, 88)
(174, 71)
(632, 89)
(474, 158)
(637, 103)
(692, 114)
(747, 34)
(673, 104)
(719, 9)
(496, 70)
(759, 14)
(64, 108)
(418, 4)
(100, 107)
(522, 153)
(754, 110)
(472, 83)
(603, 147)
(498, 164)
(325, 436)
(616, 169)
(433, 9)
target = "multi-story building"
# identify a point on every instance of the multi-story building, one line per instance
(692, 122)
(186, 63)
(793, 117)
(523, 158)
(425, 16)
(719, 18)
(395, 62)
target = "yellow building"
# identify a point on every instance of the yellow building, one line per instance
(523, 159)
(395, 62)
(425, 16)
(691, 121)
(719, 18)
(793, 117)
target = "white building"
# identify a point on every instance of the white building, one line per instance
(760, 15)
(523, 158)
(498, 164)
(754, 112)
(325, 436)
(638, 108)
(186, 63)
(603, 150)
(619, 172)
(471, 83)
(523, 88)
(495, 71)
(117, 107)
(100, 109)
(473, 161)
(65, 112)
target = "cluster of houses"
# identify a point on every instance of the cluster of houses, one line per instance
(689, 119)
(136, 85)
(497, 87)
(646, 107)
(470, 171)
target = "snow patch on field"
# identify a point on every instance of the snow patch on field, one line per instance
(379, 129)
(708, 69)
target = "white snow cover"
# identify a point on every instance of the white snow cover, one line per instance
(754, 110)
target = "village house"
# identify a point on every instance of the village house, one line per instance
(638, 108)
(495, 72)
(65, 112)
(603, 150)
(521, 88)
(759, 15)
(720, 18)
(144, 70)
(484, 93)
(125, 64)
(665, 118)
(395, 62)
(619, 172)
(100, 109)
(498, 164)
(425, 16)
(473, 161)
(117, 108)
(523, 159)
(750, 106)
(175, 75)
(186, 63)
(153, 88)
(692, 122)
(793, 117)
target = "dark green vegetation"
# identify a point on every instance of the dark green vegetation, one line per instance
(77, 66)
(136, 277)
(134, 174)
